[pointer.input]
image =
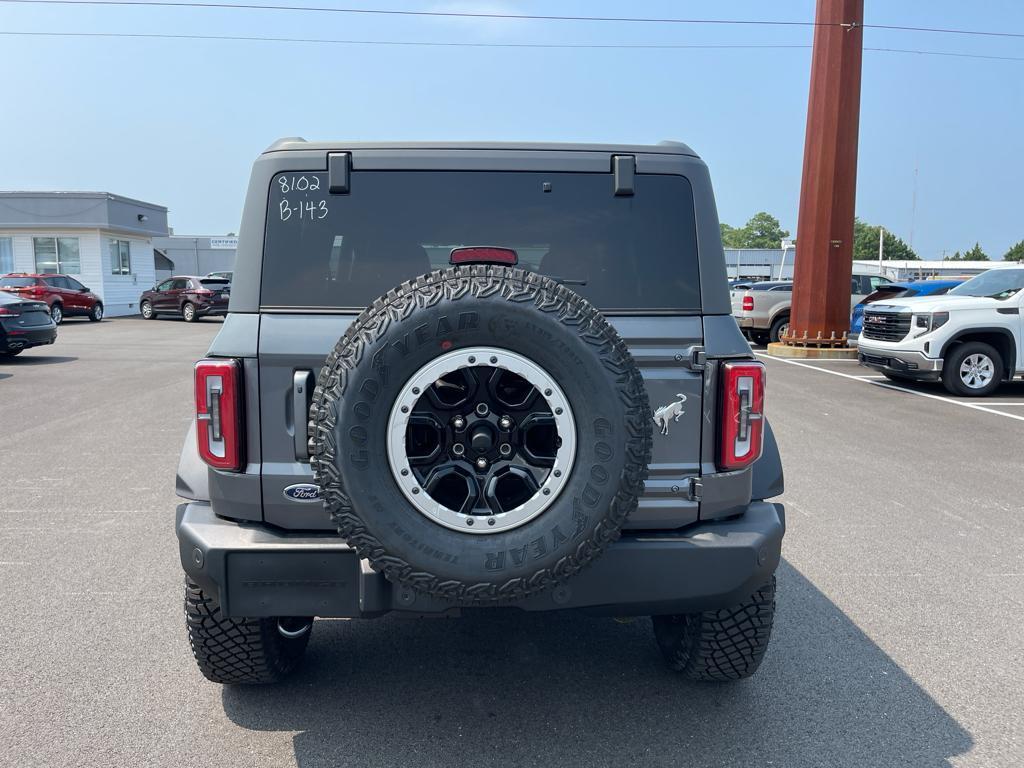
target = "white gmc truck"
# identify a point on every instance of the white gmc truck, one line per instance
(970, 338)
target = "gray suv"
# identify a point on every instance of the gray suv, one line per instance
(479, 375)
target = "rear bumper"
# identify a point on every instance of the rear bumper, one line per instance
(23, 338)
(903, 362)
(212, 309)
(258, 571)
(750, 324)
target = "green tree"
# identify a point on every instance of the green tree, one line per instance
(976, 254)
(1016, 252)
(865, 244)
(956, 257)
(763, 231)
(731, 236)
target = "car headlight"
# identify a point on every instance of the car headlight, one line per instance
(931, 321)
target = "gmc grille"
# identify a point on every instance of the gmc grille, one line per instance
(886, 326)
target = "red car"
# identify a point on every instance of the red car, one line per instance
(187, 296)
(64, 295)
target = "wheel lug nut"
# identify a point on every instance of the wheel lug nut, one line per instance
(505, 422)
(459, 422)
(482, 409)
(481, 463)
(458, 449)
(505, 450)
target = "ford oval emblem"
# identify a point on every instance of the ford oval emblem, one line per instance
(302, 492)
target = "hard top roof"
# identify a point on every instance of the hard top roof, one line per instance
(293, 144)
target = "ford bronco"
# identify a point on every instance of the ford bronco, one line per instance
(478, 375)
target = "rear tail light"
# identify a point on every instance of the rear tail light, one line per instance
(219, 413)
(7, 312)
(476, 254)
(742, 414)
(203, 292)
(748, 303)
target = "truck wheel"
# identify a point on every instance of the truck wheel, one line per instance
(972, 369)
(242, 650)
(480, 434)
(721, 645)
(780, 326)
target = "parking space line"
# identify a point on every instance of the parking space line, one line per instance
(929, 395)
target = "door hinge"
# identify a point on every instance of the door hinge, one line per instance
(693, 358)
(695, 490)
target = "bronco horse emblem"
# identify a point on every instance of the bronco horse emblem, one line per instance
(672, 412)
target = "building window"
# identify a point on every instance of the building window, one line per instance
(6, 255)
(56, 255)
(120, 257)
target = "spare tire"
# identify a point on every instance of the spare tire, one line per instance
(480, 434)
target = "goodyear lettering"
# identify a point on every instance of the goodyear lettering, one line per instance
(426, 549)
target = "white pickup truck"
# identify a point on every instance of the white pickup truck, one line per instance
(970, 338)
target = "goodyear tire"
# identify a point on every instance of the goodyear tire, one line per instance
(243, 651)
(439, 378)
(719, 645)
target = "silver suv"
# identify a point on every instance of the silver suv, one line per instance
(474, 375)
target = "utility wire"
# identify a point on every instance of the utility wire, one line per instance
(411, 43)
(395, 12)
(509, 16)
(446, 44)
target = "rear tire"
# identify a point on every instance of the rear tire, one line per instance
(188, 312)
(57, 313)
(241, 650)
(723, 645)
(779, 326)
(96, 313)
(146, 308)
(972, 369)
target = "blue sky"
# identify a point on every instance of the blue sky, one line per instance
(179, 122)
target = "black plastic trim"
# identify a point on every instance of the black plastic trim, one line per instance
(270, 573)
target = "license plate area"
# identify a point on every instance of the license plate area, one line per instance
(293, 583)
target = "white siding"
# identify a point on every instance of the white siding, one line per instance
(88, 252)
(121, 292)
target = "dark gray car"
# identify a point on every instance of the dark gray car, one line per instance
(477, 375)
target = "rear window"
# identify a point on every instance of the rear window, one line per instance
(17, 282)
(216, 284)
(342, 251)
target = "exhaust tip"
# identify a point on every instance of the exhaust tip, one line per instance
(294, 627)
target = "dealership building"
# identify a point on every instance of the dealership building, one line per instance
(104, 241)
(199, 255)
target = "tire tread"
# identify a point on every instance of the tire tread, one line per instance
(454, 284)
(721, 645)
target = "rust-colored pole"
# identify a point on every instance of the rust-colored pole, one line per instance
(820, 315)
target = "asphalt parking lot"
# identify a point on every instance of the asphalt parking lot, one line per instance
(898, 639)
